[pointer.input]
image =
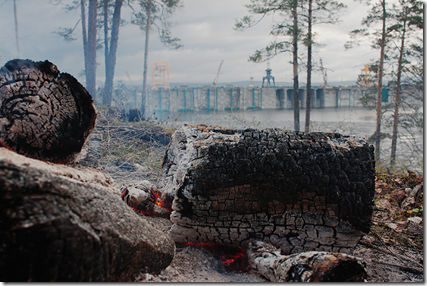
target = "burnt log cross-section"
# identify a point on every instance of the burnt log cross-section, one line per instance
(44, 114)
(299, 191)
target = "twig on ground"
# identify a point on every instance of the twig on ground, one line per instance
(386, 251)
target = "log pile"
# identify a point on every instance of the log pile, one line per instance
(44, 114)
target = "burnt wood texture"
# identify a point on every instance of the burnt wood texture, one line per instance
(44, 114)
(300, 191)
(54, 228)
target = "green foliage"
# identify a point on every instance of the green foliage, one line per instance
(66, 34)
(161, 11)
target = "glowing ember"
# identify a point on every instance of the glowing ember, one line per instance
(151, 203)
(234, 258)
(161, 203)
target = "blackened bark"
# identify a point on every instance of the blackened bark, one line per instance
(303, 191)
(43, 114)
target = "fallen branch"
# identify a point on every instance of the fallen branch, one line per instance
(401, 267)
(390, 253)
(311, 266)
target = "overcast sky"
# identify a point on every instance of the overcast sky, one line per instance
(205, 28)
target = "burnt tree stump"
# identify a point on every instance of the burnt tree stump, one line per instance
(56, 228)
(299, 191)
(44, 114)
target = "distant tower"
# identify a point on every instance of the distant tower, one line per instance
(252, 83)
(268, 77)
(160, 77)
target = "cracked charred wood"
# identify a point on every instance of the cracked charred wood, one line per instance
(54, 228)
(311, 266)
(299, 191)
(43, 114)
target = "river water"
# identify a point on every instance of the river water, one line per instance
(356, 121)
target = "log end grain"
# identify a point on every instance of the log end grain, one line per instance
(44, 114)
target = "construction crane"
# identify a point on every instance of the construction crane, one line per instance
(366, 76)
(215, 83)
(324, 73)
(128, 75)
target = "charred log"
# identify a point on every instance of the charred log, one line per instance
(43, 114)
(299, 191)
(54, 228)
(311, 266)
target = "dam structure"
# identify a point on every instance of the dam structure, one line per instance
(196, 99)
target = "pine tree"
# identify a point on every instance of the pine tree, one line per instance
(287, 33)
(153, 11)
(378, 13)
(317, 12)
(408, 16)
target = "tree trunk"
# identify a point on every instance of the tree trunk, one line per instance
(15, 14)
(144, 83)
(111, 55)
(311, 266)
(380, 85)
(295, 66)
(54, 228)
(84, 36)
(105, 99)
(42, 115)
(397, 100)
(91, 46)
(308, 98)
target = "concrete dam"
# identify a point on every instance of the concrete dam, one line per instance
(186, 99)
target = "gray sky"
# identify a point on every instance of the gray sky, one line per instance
(205, 28)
